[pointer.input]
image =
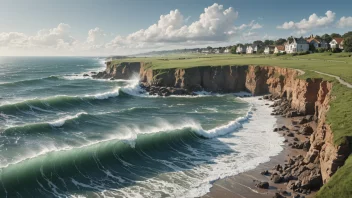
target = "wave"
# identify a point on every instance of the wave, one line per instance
(43, 104)
(43, 126)
(31, 81)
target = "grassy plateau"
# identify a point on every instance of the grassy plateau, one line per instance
(340, 113)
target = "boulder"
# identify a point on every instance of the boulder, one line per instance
(266, 172)
(303, 121)
(276, 178)
(85, 75)
(290, 134)
(306, 130)
(278, 195)
(262, 184)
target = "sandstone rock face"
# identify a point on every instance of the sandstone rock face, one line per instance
(304, 96)
(216, 79)
(124, 70)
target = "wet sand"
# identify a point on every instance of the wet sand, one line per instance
(243, 185)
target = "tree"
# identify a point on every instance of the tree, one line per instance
(269, 42)
(335, 35)
(290, 39)
(326, 38)
(209, 48)
(280, 41)
(347, 44)
(311, 47)
(233, 49)
(348, 34)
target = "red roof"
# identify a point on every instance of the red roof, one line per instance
(338, 40)
(280, 47)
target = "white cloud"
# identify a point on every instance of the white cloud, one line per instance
(344, 22)
(96, 35)
(57, 37)
(215, 24)
(314, 21)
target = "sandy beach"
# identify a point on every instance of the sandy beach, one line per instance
(244, 184)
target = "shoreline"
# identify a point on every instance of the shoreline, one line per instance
(244, 185)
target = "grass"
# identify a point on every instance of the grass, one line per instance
(340, 184)
(339, 64)
(340, 112)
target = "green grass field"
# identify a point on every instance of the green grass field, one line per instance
(339, 116)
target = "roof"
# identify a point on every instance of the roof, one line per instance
(338, 40)
(280, 47)
(313, 38)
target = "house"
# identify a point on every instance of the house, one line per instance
(337, 43)
(296, 45)
(269, 49)
(216, 50)
(227, 50)
(240, 49)
(279, 49)
(317, 43)
(251, 49)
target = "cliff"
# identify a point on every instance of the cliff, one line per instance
(304, 96)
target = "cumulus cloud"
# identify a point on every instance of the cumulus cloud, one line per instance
(344, 22)
(314, 21)
(57, 37)
(214, 24)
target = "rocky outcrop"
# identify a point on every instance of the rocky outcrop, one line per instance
(301, 96)
(124, 70)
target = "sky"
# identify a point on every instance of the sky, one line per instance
(122, 27)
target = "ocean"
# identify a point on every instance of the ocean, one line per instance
(63, 134)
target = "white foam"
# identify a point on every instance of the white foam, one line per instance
(106, 95)
(60, 122)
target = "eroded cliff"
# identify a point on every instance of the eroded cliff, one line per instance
(306, 96)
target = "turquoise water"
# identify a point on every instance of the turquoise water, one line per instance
(65, 135)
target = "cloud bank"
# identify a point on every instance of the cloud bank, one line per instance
(314, 21)
(215, 25)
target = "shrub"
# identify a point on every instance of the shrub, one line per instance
(284, 53)
(321, 50)
(336, 50)
(294, 54)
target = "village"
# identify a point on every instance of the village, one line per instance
(292, 45)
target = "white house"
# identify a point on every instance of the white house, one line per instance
(227, 50)
(279, 49)
(216, 51)
(269, 49)
(240, 49)
(318, 43)
(297, 45)
(251, 49)
(337, 43)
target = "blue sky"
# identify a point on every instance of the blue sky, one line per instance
(47, 27)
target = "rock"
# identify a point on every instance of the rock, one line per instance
(284, 127)
(291, 114)
(309, 118)
(290, 134)
(266, 97)
(306, 145)
(295, 139)
(278, 195)
(93, 72)
(264, 185)
(112, 78)
(297, 196)
(266, 172)
(260, 98)
(85, 75)
(303, 121)
(276, 178)
(306, 130)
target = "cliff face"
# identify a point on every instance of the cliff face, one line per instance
(307, 96)
(216, 79)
